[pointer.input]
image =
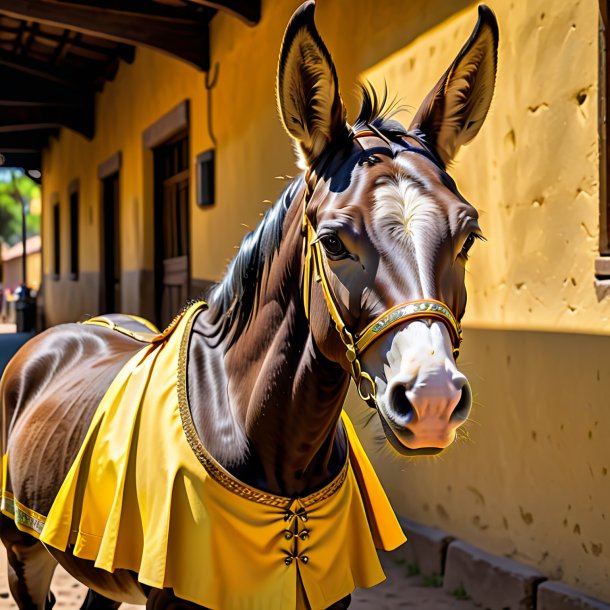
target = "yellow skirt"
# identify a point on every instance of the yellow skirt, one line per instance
(143, 494)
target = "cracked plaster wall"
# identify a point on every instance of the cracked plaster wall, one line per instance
(533, 170)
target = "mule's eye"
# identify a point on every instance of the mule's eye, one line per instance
(333, 245)
(468, 244)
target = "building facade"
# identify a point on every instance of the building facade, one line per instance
(12, 264)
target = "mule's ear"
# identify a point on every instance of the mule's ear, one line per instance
(307, 88)
(453, 112)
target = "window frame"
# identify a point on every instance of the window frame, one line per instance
(205, 163)
(56, 227)
(74, 207)
(602, 262)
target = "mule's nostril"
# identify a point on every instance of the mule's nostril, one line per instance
(400, 404)
(462, 409)
(459, 380)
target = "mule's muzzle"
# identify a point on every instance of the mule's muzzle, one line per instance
(422, 418)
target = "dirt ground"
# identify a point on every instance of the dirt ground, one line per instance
(397, 592)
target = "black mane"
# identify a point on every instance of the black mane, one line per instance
(233, 301)
(378, 111)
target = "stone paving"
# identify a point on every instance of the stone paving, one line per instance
(399, 591)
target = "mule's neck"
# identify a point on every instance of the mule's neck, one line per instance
(281, 400)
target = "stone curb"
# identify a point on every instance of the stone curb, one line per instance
(558, 596)
(426, 547)
(496, 583)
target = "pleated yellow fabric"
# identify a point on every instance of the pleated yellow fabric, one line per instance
(142, 494)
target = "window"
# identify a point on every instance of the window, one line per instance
(56, 242)
(110, 267)
(602, 265)
(74, 214)
(110, 246)
(205, 178)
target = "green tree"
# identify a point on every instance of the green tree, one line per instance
(16, 187)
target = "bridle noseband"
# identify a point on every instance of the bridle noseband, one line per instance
(356, 344)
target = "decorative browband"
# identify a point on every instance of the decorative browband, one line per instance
(428, 308)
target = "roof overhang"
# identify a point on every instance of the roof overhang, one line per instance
(55, 54)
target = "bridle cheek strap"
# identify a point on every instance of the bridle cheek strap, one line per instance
(314, 269)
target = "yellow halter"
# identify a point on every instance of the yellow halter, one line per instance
(314, 268)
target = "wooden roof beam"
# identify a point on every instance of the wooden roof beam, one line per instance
(125, 52)
(19, 32)
(23, 160)
(63, 46)
(25, 141)
(249, 11)
(187, 40)
(182, 11)
(33, 89)
(20, 118)
(43, 71)
(27, 39)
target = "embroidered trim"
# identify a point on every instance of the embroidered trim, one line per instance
(222, 476)
(20, 514)
(106, 323)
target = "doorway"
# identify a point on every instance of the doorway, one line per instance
(172, 227)
(110, 285)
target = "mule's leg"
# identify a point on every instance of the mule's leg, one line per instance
(97, 601)
(30, 568)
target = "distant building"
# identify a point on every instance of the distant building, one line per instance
(12, 257)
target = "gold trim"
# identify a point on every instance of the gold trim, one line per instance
(151, 327)
(214, 469)
(106, 323)
(25, 518)
(155, 336)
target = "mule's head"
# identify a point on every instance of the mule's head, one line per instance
(389, 229)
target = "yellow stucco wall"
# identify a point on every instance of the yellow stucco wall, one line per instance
(533, 170)
(531, 480)
(139, 96)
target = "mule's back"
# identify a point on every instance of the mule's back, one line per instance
(49, 393)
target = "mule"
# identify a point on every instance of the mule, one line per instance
(356, 272)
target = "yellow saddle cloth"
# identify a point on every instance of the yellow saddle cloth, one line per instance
(144, 494)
